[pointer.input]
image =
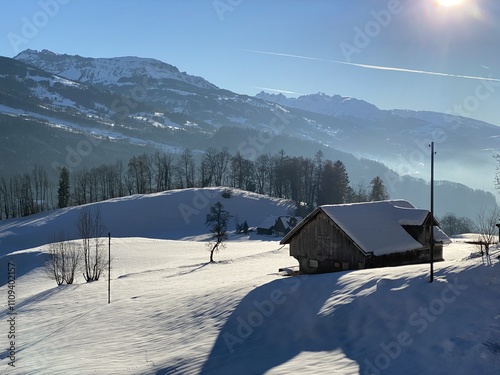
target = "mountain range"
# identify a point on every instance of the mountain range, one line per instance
(58, 109)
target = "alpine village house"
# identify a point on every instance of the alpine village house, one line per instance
(364, 235)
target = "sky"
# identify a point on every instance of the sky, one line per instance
(405, 54)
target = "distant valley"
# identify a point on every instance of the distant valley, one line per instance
(62, 110)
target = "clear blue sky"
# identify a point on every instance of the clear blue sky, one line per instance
(223, 41)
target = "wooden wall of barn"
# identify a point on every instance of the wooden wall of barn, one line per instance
(421, 233)
(405, 258)
(320, 246)
(321, 241)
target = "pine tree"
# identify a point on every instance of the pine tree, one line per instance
(341, 186)
(334, 187)
(379, 192)
(325, 190)
(63, 190)
(318, 173)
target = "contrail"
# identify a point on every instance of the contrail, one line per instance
(376, 67)
(275, 90)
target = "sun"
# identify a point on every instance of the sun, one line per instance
(450, 3)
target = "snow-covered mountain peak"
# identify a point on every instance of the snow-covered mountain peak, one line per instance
(114, 71)
(320, 102)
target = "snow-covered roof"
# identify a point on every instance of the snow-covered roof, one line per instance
(377, 227)
(271, 221)
(286, 221)
(268, 222)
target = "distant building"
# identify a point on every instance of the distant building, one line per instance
(284, 224)
(364, 235)
(277, 225)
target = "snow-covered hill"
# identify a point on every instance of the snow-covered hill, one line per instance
(175, 214)
(172, 312)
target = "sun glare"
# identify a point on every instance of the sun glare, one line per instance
(449, 3)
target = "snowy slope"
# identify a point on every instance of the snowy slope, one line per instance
(336, 105)
(174, 214)
(107, 71)
(171, 312)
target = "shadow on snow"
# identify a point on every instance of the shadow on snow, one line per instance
(377, 323)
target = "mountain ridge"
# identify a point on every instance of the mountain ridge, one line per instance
(83, 69)
(335, 105)
(148, 110)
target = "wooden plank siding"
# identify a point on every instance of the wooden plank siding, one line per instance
(408, 257)
(321, 246)
(322, 242)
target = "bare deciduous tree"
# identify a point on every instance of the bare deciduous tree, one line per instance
(453, 225)
(55, 264)
(486, 220)
(162, 170)
(73, 255)
(186, 168)
(64, 259)
(217, 221)
(91, 230)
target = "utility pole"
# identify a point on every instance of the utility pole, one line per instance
(431, 244)
(109, 267)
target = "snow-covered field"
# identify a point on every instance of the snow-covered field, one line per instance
(172, 312)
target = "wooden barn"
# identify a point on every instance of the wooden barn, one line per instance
(277, 225)
(364, 235)
(267, 225)
(285, 224)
